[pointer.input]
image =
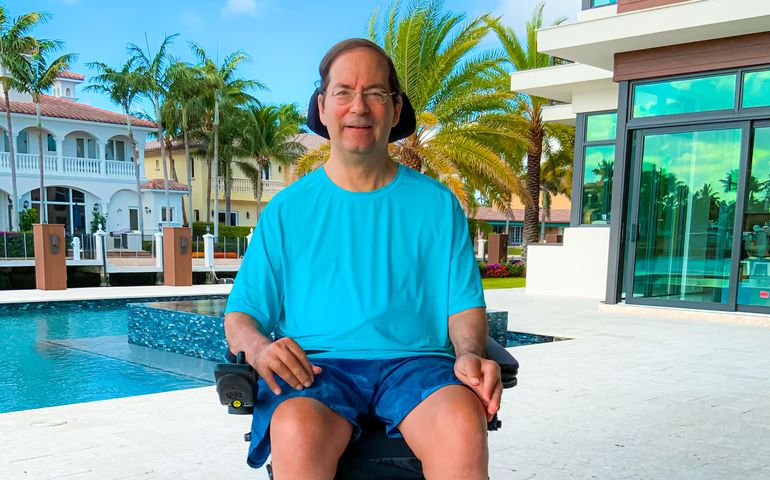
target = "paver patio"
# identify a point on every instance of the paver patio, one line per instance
(629, 397)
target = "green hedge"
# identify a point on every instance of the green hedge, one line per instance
(12, 244)
(225, 231)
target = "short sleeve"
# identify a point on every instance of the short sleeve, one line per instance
(258, 288)
(465, 290)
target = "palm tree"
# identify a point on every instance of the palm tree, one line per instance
(555, 177)
(538, 134)
(14, 44)
(122, 87)
(221, 86)
(450, 88)
(153, 69)
(37, 77)
(269, 134)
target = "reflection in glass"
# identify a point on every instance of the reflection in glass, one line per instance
(756, 86)
(601, 127)
(597, 184)
(754, 276)
(685, 96)
(601, 3)
(686, 212)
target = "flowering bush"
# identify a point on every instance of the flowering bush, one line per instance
(495, 270)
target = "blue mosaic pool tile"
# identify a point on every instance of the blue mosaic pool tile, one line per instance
(498, 325)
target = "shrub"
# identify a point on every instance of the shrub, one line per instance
(98, 219)
(225, 231)
(27, 217)
(12, 244)
(495, 270)
(517, 269)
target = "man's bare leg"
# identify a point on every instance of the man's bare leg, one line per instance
(448, 433)
(307, 439)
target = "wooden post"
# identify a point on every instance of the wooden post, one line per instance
(50, 257)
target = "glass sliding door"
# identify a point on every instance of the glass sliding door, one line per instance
(754, 270)
(683, 216)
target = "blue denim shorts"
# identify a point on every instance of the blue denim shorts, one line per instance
(386, 389)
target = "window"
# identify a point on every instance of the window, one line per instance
(163, 215)
(755, 88)
(51, 143)
(233, 218)
(192, 167)
(157, 163)
(587, 4)
(597, 162)
(197, 215)
(115, 150)
(22, 142)
(690, 95)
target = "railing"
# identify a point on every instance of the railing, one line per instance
(5, 160)
(130, 245)
(243, 185)
(271, 187)
(81, 165)
(29, 162)
(16, 246)
(118, 168)
(223, 248)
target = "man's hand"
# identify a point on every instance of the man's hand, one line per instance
(483, 376)
(286, 358)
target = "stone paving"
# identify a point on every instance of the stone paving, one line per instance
(629, 397)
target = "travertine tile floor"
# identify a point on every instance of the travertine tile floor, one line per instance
(630, 397)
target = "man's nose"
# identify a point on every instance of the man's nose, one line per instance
(359, 105)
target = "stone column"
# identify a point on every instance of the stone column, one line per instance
(59, 154)
(100, 152)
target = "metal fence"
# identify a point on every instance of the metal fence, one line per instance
(21, 246)
(223, 247)
(130, 245)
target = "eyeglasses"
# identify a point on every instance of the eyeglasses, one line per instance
(344, 96)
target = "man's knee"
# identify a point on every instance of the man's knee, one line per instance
(306, 421)
(462, 416)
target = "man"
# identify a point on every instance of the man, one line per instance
(363, 270)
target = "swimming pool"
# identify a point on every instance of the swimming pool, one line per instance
(59, 353)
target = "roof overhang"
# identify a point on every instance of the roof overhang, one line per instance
(596, 41)
(561, 81)
(561, 114)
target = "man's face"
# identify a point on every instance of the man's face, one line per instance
(363, 125)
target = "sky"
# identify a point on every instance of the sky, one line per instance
(285, 40)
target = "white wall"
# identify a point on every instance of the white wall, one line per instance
(577, 268)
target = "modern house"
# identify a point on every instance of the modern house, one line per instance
(243, 203)
(671, 194)
(88, 161)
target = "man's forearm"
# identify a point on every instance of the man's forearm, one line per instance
(243, 333)
(468, 331)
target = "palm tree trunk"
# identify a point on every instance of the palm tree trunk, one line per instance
(409, 155)
(534, 154)
(12, 162)
(172, 165)
(188, 161)
(208, 192)
(41, 163)
(163, 159)
(216, 170)
(258, 193)
(228, 193)
(137, 174)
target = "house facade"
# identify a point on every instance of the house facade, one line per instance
(87, 157)
(671, 193)
(243, 202)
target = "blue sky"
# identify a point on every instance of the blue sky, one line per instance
(285, 39)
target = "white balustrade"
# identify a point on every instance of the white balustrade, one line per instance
(271, 187)
(243, 185)
(5, 161)
(119, 169)
(30, 162)
(81, 165)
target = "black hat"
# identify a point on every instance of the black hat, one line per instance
(406, 125)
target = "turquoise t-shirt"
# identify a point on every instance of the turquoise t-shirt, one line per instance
(360, 274)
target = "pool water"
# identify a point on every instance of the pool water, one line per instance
(72, 352)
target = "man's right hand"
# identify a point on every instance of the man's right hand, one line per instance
(286, 358)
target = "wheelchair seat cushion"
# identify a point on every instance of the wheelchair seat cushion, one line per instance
(358, 390)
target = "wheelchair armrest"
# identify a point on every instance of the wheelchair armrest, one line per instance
(509, 367)
(236, 384)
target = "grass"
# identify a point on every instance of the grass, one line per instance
(514, 250)
(492, 283)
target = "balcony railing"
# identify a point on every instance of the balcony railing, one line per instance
(243, 185)
(27, 163)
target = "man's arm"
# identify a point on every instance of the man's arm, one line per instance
(284, 356)
(468, 331)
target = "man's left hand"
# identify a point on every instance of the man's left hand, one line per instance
(483, 376)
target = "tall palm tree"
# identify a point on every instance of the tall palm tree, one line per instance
(122, 87)
(555, 178)
(448, 84)
(15, 42)
(154, 71)
(525, 56)
(269, 134)
(37, 77)
(222, 86)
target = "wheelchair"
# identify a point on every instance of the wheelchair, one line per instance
(373, 455)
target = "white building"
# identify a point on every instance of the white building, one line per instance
(88, 163)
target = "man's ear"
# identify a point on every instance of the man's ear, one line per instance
(398, 104)
(321, 107)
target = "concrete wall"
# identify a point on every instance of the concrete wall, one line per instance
(578, 268)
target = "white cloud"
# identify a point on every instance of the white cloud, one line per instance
(241, 7)
(516, 13)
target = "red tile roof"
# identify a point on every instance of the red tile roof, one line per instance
(492, 215)
(72, 76)
(157, 184)
(62, 108)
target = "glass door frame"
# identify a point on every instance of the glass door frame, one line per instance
(737, 254)
(633, 220)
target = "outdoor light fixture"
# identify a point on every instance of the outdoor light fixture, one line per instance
(26, 204)
(96, 207)
(147, 210)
